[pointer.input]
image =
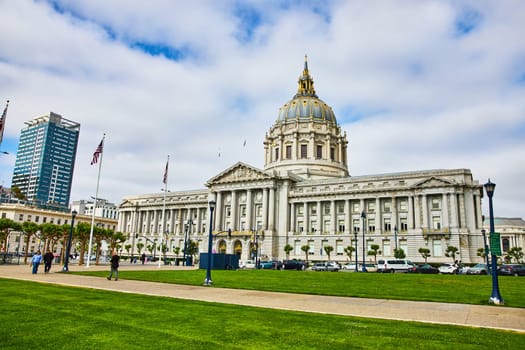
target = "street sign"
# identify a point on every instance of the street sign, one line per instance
(495, 245)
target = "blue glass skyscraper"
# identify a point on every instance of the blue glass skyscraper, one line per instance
(45, 160)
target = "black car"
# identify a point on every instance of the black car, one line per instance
(426, 268)
(512, 270)
(293, 265)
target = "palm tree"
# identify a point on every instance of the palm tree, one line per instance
(451, 252)
(374, 250)
(328, 249)
(29, 228)
(306, 249)
(425, 253)
(349, 252)
(287, 249)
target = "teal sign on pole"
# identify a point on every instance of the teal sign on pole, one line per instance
(495, 245)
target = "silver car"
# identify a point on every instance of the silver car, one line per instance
(478, 269)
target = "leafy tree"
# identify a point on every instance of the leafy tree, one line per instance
(451, 252)
(176, 250)
(515, 253)
(481, 252)
(328, 249)
(349, 251)
(140, 246)
(374, 250)
(15, 190)
(305, 248)
(64, 237)
(7, 225)
(399, 253)
(193, 248)
(82, 232)
(30, 229)
(287, 249)
(51, 234)
(425, 253)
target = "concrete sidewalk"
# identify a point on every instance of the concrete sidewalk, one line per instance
(497, 317)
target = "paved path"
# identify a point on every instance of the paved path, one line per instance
(498, 317)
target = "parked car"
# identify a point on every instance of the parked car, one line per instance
(395, 265)
(426, 268)
(448, 269)
(478, 269)
(247, 264)
(348, 266)
(512, 270)
(270, 264)
(326, 266)
(293, 265)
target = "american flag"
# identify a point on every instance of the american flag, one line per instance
(165, 177)
(2, 121)
(98, 152)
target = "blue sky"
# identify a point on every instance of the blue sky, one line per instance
(416, 84)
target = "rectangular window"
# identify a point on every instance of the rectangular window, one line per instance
(313, 209)
(339, 248)
(288, 152)
(402, 205)
(276, 153)
(403, 223)
(386, 248)
(297, 248)
(340, 208)
(332, 153)
(341, 226)
(243, 211)
(304, 151)
(311, 244)
(436, 222)
(403, 246)
(228, 211)
(327, 209)
(371, 225)
(313, 225)
(355, 207)
(436, 247)
(300, 210)
(327, 227)
(21, 217)
(258, 210)
(387, 225)
(436, 203)
(355, 223)
(319, 152)
(387, 206)
(300, 226)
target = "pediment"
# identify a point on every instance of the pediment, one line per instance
(240, 172)
(126, 204)
(434, 182)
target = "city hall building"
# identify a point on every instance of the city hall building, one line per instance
(305, 196)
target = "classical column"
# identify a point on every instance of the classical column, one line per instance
(218, 212)
(292, 217)
(306, 218)
(334, 218)
(348, 229)
(393, 221)
(379, 224)
(265, 208)
(271, 209)
(444, 210)
(462, 219)
(417, 212)
(249, 209)
(470, 216)
(320, 225)
(180, 226)
(454, 214)
(234, 211)
(424, 209)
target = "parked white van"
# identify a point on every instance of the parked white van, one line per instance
(395, 265)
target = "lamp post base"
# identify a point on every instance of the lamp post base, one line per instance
(496, 301)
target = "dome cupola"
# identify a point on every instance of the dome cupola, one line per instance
(306, 139)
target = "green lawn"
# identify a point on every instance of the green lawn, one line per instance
(440, 288)
(42, 316)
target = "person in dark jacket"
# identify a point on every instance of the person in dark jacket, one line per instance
(48, 260)
(114, 266)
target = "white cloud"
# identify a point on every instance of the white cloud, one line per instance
(412, 92)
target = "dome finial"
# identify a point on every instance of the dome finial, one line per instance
(306, 83)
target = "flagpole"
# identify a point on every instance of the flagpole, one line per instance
(165, 180)
(95, 204)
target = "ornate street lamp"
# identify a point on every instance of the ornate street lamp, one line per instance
(208, 281)
(355, 241)
(65, 268)
(495, 297)
(363, 216)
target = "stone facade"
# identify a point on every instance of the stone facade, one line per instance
(305, 196)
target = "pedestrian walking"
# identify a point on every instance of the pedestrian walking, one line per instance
(143, 258)
(114, 266)
(48, 260)
(35, 261)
